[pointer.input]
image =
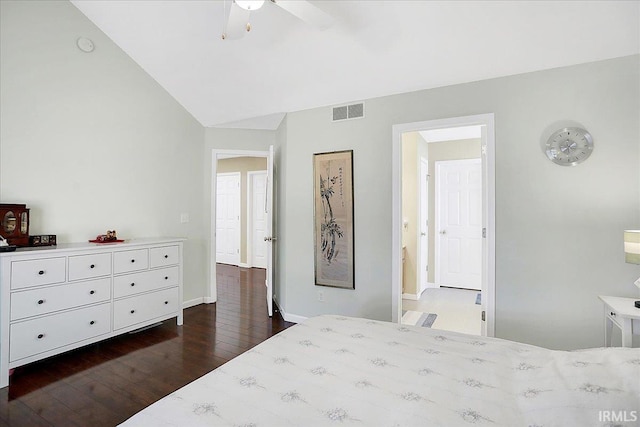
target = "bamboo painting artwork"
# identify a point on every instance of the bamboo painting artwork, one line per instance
(333, 219)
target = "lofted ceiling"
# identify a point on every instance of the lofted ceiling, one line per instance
(374, 48)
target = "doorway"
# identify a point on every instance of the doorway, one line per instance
(408, 219)
(219, 157)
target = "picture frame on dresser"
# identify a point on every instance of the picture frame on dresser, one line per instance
(55, 299)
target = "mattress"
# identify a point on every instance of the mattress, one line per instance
(334, 370)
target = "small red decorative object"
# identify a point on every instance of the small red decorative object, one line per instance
(110, 237)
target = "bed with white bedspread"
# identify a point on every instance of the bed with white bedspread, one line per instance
(334, 370)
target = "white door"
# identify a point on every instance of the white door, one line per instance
(459, 223)
(228, 218)
(258, 218)
(423, 238)
(270, 237)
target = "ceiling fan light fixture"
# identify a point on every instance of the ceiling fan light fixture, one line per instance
(250, 4)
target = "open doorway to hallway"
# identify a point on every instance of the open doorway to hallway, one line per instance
(442, 228)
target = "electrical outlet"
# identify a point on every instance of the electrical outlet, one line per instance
(321, 296)
(637, 282)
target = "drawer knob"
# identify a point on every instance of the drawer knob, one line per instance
(166, 256)
(92, 292)
(133, 284)
(613, 313)
(92, 322)
(133, 260)
(40, 301)
(166, 277)
(92, 266)
(40, 336)
(41, 272)
(133, 311)
(166, 302)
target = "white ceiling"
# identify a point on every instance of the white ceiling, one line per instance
(375, 48)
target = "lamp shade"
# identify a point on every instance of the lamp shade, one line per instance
(632, 246)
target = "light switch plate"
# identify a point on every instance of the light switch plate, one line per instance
(184, 218)
(637, 282)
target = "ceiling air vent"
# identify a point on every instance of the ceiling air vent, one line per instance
(346, 112)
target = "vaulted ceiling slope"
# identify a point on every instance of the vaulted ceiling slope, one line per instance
(374, 48)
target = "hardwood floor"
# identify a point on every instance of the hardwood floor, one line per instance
(103, 384)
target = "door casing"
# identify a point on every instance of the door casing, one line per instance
(217, 154)
(486, 121)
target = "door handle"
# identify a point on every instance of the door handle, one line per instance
(270, 239)
(443, 232)
(423, 233)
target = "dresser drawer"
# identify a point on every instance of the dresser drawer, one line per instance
(45, 271)
(141, 308)
(89, 266)
(163, 256)
(135, 283)
(47, 333)
(126, 261)
(39, 301)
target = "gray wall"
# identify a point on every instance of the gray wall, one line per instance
(89, 141)
(558, 229)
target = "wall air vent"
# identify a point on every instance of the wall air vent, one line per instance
(347, 112)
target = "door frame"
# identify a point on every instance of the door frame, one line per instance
(488, 209)
(250, 228)
(218, 154)
(437, 215)
(423, 198)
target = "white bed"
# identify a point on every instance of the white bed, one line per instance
(347, 371)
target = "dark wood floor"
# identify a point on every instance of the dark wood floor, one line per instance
(105, 383)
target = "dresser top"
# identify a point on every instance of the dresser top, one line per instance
(64, 247)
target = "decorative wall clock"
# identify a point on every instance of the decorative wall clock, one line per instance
(569, 146)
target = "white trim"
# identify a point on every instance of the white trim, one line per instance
(208, 300)
(244, 265)
(431, 286)
(422, 272)
(215, 155)
(412, 297)
(294, 318)
(192, 302)
(488, 144)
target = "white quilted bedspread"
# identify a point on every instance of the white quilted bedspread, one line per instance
(333, 370)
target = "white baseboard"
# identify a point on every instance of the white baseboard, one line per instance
(294, 318)
(208, 300)
(192, 302)
(413, 297)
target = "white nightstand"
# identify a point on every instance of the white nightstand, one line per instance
(622, 313)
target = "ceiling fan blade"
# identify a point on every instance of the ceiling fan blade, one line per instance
(307, 12)
(236, 25)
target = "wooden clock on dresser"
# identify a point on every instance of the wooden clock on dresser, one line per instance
(55, 299)
(14, 224)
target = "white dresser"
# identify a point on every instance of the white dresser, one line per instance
(59, 298)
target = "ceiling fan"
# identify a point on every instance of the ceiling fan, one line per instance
(237, 23)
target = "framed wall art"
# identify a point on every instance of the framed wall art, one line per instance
(333, 219)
